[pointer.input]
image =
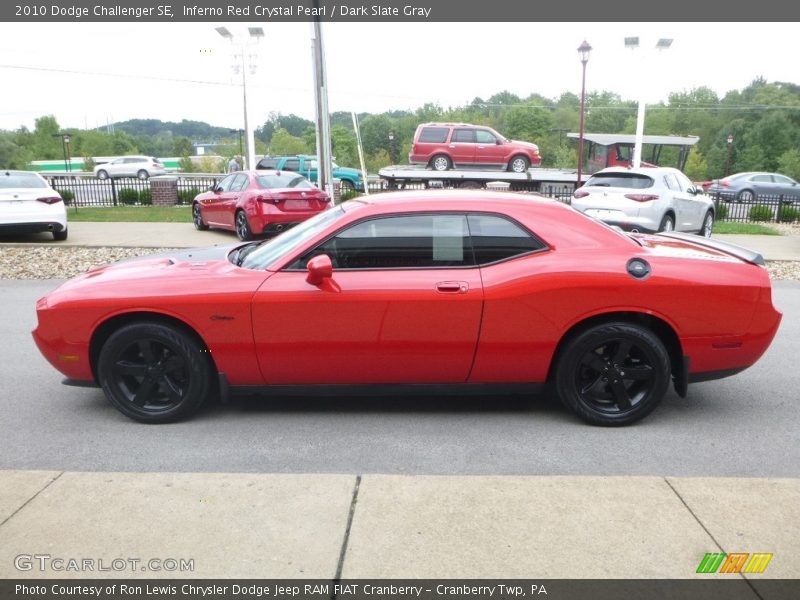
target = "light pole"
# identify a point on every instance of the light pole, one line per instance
(239, 131)
(247, 62)
(633, 43)
(65, 149)
(583, 50)
(728, 155)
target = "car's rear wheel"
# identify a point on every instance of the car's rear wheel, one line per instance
(347, 187)
(746, 196)
(708, 225)
(243, 231)
(101, 174)
(154, 373)
(519, 164)
(60, 236)
(613, 374)
(441, 162)
(197, 218)
(142, 174)
(667, 223)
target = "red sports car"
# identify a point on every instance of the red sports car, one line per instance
(475, 289)
(258, 203)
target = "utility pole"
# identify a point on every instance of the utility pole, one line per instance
(323, 126)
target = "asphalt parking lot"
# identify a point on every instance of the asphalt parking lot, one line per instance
(747, 425)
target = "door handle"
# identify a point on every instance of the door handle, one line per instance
(452, 287)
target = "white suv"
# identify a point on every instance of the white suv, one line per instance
(647, 199)
(130, 166)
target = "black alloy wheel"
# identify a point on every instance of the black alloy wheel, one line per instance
(197, 218)
(613, 374)
(154, 373)
(243, 231)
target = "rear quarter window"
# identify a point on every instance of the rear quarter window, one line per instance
(433, 135)
(634, 181)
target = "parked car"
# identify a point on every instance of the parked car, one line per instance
(472, 289)
(258, 203)
(646, 199)
(306, 165)
(444, 146)
(141, 167)
(747, 187)
(28, 204)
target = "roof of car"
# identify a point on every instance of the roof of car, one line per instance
(606, 139)
(637, 171)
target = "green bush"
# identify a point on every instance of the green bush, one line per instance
(67, 196)
(788, 214)
(760, 212)
(721, 212)
(146, 197)
(186, 196)
(128, 196)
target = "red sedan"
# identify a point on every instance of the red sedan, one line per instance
(258, 203)
(465, 288)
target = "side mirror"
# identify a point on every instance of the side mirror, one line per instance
(319, 268)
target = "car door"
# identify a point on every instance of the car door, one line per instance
(403, 306)
(230, 198)
(214, 201)
(116, 168)
(786, 187)
(463, 146)
(681, 203)
(696, 203)
(488, 152)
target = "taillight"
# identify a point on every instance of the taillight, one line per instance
(49, 199)
(268, 199)
(580, 194)
(724, 183)
(642, 197)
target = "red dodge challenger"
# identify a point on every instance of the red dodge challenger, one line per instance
(471, 289)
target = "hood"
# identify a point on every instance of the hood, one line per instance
(349, 171)
(529, 145)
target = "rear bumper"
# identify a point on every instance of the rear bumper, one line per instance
(32, 227)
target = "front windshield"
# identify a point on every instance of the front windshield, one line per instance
(287, 242)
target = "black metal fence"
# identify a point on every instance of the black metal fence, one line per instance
(85, 191)
(82, 191)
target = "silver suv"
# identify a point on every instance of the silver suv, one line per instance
(130, 166)
(646, 199)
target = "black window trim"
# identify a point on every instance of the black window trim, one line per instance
(545, 247)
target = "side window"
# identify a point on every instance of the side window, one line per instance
(267, 163)
(671, 182)
(484, 137)
(398, 242)
(463, 136)
(239, 182)
(225, 184)
(496, 238)
(292, 164)
(433, 135)
(684, 181)
(762, 178)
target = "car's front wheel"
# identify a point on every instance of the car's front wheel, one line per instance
(154, 373)
(347, 187)
(243, 231)
(708, 225)
(197, 218)
(441, 162)
(613, 374)
(101, 174)
(519, 164)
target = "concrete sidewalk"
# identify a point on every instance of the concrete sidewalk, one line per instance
(184, 235)
(385, 526)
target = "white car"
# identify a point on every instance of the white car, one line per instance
(647, 199)
(130, 166)
(29, 205)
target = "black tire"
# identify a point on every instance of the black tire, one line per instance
(441, 162)
(142, 174)
(154, 373)
(102, 174)
(60, 236)
(519, 164)
(613, 374)
(746, 196)
(708, 225)
(243, 231)
(667, 223)
(197, 218)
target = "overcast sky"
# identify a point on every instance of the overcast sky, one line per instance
(175, 71)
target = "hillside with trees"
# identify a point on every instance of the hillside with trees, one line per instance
(763, 119)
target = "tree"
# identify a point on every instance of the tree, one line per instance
(789, 163)
(285, 143)
(343, 143)
(696, 168)
(182, 146)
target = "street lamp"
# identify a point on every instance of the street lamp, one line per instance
(392, 151)
(633, 43)
(728, 155)
(247, 62)
(65, 148)
(239, 131)
(583, 50)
